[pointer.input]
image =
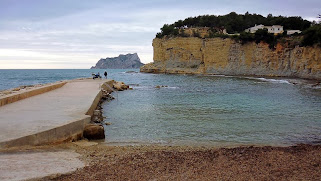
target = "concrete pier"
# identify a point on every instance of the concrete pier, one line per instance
(56, 115)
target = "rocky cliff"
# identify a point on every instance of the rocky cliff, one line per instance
(128, 61)
(225, 56)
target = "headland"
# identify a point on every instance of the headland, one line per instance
(239, 44)
(193, 55)
(128, 61)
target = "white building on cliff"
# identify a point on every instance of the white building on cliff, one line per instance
(291, 32)
(275, 29)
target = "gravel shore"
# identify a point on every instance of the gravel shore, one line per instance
(302, 162)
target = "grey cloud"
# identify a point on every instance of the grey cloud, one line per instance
(100, 28)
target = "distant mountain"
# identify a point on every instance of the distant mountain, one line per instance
(128, 61)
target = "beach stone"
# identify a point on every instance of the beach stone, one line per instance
(131, 72)
(159, 86)
(94, 132)
(316, 84)
(85, 143)
(97, 113)
(96, 120)
(117, 86)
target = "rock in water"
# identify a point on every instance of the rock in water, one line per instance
(128, 61)
(120, 86)
(94, 132)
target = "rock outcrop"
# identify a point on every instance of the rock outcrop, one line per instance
(128, 61)
(94, 132)
(120, 86)
(225, 56)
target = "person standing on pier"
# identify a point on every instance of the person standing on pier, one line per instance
(105, 74)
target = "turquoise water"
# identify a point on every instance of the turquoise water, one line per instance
(198, 110)
(213, 110)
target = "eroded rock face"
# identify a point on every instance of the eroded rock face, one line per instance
(94, 132)
(225, 56)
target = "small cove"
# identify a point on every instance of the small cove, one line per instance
(213, 110)
(198, 110)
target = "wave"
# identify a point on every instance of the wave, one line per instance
(270, 80)
(154, 87)
(171, 87)
(165, 87)
(254, 78)
(220, 75)
(134, 85)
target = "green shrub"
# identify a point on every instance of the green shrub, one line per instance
(159, 35)
(265, 36)
(167, 30)
(234, 22)
(312, 36)
(245, 37)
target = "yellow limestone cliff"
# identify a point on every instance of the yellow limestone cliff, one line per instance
(225, 56)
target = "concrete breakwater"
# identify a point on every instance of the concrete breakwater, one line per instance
(95, 129)
(23, 94)
(52, 115)
(225, 56)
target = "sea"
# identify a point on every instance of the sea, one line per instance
(198, 110)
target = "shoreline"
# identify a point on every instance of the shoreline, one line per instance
(304, 82)
(176, 162)
(159, 162)
(294, 80)
(179, 162)
(194, 163)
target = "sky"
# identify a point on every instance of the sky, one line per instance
(75, 34)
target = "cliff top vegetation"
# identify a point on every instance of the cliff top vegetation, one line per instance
(236, 24)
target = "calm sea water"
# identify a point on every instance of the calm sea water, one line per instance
(198, 110)
(16, 78)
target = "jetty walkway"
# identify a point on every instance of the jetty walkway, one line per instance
(34, 117)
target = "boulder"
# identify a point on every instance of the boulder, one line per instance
(94, 132)
(120, 86)
(96, 119)
(97, 113)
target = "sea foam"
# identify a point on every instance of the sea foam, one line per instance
(270, 80)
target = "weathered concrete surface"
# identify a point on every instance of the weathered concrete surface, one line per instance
(29, 93)
(23, 166)
(54, 116)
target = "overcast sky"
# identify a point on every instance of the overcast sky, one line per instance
(77, 33)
